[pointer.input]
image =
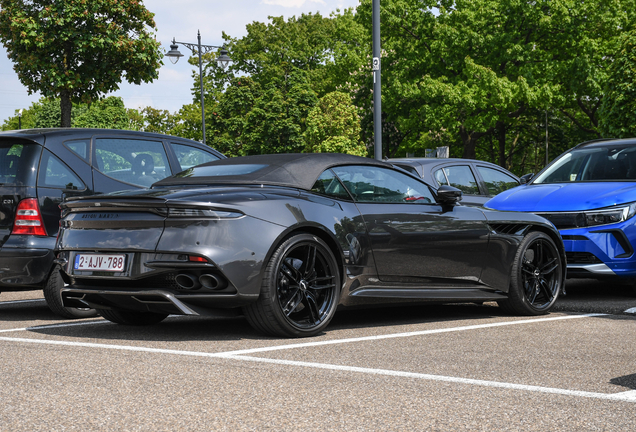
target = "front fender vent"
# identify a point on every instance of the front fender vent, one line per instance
(509, 229)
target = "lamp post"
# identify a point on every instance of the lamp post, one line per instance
(377, 87)
(223, 60)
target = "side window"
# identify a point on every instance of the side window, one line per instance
(56, 174)
(328, 184)
(496, 181)
(440, 177)
(79, 147)
(369, 184)
(189, 156)
(139, 162)
(462, 178)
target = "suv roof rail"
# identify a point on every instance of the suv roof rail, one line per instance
(594, 141)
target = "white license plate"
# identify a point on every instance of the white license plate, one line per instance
(100, 262)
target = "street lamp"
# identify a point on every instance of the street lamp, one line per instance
(223, 60)
(377, 83)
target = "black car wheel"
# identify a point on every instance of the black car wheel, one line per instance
(132, 318)
(535, 281)
(53, 296)
(300, 289)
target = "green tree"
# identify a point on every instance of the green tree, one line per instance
(108, 113)
(325, 48)
(479, 70)
(618, 110)
(279, 70)
(157, 120)
(254, 120)
(79, 50)
(333, 126)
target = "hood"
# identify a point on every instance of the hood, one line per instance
(564, 196)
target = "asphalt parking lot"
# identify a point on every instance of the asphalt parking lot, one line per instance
(434, 367)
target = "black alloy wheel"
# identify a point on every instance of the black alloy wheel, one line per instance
(300, 289)
(536, 278)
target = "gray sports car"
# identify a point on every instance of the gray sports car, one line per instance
(287, 238)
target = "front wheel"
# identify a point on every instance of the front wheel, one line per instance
(53, 297)
(132, 318)
(536, 278)
(300, 289)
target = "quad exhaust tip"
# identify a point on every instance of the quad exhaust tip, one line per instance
(187, 281)
(212, 282)
(209, 281)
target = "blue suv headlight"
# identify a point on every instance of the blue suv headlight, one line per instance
(609, 215)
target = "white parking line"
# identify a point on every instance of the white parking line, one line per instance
(10, 302)
(51, 326)
(408, 334)
(628, 396)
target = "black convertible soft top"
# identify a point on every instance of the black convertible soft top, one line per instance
(299, 170)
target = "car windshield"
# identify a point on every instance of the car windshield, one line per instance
(617, 163)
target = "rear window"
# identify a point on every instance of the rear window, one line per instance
(18, 163)
(220, 170)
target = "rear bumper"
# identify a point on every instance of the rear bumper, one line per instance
(152, 300)
(25, 263)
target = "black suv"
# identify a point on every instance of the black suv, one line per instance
(41, 167)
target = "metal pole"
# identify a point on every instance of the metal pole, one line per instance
(377, 92)
(201, 82)
(546, 137)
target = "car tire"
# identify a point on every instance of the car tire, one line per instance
(536, 278)
(53, 296)
(131, 318)
(300, 290)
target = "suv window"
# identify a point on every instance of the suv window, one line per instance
(496, 181)
(18, 163)
(140, 162)
(460, 177)
(189, 156)
(56, 174)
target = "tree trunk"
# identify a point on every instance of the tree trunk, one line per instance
(501, 137)
(65, 106)
(469, 141)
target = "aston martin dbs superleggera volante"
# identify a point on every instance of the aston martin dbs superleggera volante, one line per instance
(287, 238)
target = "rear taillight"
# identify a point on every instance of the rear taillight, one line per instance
(28, 219)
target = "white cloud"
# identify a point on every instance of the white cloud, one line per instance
(290, 3)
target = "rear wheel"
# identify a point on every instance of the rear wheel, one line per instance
(300, 289)
(132, 318)
(53, 296)
(536, 278)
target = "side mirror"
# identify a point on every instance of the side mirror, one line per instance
(448, 195)
(526, 178)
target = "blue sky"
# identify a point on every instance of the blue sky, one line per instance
(179, 19)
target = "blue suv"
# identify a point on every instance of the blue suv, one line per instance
(589, 194)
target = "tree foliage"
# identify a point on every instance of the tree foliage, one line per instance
(468, 71)
(618, 110)
(79, 50)
(333, 126)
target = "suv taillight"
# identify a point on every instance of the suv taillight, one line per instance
(28, 219)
